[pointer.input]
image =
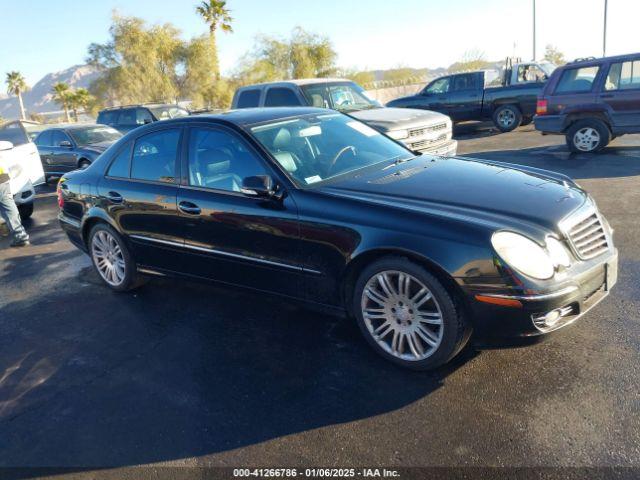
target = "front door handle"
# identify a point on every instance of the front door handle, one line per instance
(189, 208)
(606, 95)
(114, 197)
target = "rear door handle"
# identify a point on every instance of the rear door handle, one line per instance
(114, 197)
(606, 95)
(189, 208)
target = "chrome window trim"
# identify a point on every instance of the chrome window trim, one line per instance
(538, 297)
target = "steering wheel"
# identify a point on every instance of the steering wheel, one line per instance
(348, 148)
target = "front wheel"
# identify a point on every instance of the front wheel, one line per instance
(507, 118)
(84, 164)
(25, 211)
(588, 136)
(112, 259)
(407, 316)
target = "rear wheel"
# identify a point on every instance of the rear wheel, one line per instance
(507, 118)
(406, 314)
(588, 136)
(112, 259)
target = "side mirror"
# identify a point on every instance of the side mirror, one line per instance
(65, 143)
(147, 121)
(259, 186)
(4, 145)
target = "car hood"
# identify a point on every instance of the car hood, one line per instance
(399, 118)
(472, 190)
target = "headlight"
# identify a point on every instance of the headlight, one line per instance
(523, 254)
(557, 252)
(398, 134)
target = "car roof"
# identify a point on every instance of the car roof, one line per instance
(141, 105)
(600, 60)
(73, 126)
(250, 116)
(298, 82)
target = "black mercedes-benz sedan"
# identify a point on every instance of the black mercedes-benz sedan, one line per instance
(314, 205)
(68, 147)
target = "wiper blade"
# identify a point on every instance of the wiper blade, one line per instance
(398, 160)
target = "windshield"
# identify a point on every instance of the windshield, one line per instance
(166, 113)
(316, 148)
(98, 134)
(343, 96)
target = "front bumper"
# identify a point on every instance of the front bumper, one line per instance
(447, 149)
(571, 301)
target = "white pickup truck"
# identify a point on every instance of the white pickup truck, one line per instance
(422, 131)
(22, 162)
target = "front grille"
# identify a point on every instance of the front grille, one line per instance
(588, 237)
(427, 143)
(418, 132)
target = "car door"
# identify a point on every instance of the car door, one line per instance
(139, 193)
(465, 96)
(436, 95)
(63, 156)
(233, 237)
(44, 143)
(621, 95)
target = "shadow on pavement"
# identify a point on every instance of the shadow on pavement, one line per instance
(175, 370)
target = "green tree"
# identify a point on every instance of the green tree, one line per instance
(80, 98)
(303, 55)
(471, 60)
(362, 78)
(62, 95)
(216, 15)
(400, 75)
(17, 85)
(553, 55)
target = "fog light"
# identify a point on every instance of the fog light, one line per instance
(551, 318)
(547, 321)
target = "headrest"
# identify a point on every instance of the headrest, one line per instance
(285, 159)
(214, 161)
(282, 140)
(317, 100)
(218, 168)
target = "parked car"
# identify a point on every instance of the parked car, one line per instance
(592, 101)
(18, 165)
(475, 96)
(424, 132)
(20, 133)
(126, 118)
(66, 148)
(314, 205)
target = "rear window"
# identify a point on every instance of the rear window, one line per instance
(577, 80)
(623, 76)
(13, 133)
(108, 117)
(248, 99)
(281, 97)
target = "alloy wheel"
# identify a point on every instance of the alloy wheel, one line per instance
(108, 258)
(586, 139)
(506, 117)
(402, 315)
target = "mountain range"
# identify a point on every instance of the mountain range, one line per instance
(39, 98)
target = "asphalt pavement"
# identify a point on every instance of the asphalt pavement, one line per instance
(186, 374)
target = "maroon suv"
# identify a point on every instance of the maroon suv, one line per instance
(592, 101)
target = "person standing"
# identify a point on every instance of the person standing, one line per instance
(9, 212)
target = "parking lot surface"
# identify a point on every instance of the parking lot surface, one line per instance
(189, 374)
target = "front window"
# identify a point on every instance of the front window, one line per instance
(168, 112)
(317, 148)
(438, 86)
(344, 96)
(90, 136)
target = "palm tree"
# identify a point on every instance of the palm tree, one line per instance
(78, 99)
(62, 95)
(16, 85)
(216, 15)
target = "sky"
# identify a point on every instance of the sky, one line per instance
(44, 36)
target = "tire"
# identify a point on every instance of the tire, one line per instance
(588, 136)
(82, 164)
(101, 244)
(507, 118)
(526, 121)
(403, 337)
(25, 210)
